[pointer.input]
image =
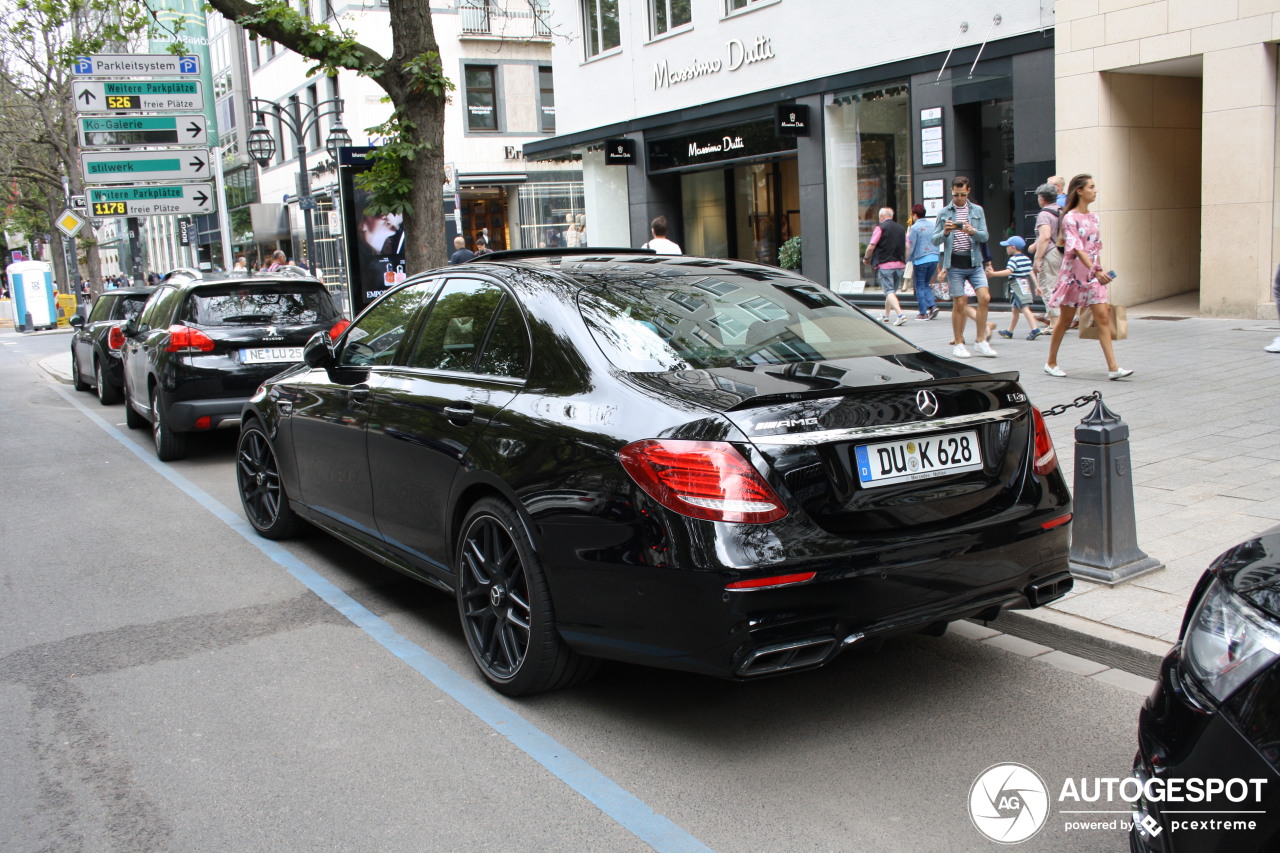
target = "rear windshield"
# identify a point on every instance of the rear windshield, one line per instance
(688, 322)
(239, 304)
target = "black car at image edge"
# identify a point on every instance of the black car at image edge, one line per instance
(201, 347)
(1215, 715)
(690, 463)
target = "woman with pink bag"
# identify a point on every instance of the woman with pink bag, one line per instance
(1082, 281)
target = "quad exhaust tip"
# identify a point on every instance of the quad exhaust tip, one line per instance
(1049, 589)
(782, 657)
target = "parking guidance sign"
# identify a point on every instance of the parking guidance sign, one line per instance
(135, 64)
(130, 167)
(149, 96)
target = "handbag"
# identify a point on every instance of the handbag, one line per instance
(1119, 324)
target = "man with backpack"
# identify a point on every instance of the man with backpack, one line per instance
(1048, 251)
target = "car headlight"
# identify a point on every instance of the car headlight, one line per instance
(1227, 642)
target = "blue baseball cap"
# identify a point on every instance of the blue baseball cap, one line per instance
(1016, 242)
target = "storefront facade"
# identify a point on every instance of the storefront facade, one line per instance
(772, 129)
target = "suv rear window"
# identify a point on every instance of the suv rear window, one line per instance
(240, 304)
(687, 322)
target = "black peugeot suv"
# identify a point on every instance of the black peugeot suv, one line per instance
(201, 347)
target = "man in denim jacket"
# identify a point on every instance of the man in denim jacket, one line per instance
(960, 227)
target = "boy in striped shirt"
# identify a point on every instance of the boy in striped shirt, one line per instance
(1019, 269)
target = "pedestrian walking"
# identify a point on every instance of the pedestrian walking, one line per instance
(960, 228)
(1018, 270)
(1047, 253)
(924, 262)
(887, 255)
(1082, 283)
(461, 254)
(1058, 183)
(278, 261)
(659, 242)
(1274, 346)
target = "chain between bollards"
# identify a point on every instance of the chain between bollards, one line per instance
(1074, 404)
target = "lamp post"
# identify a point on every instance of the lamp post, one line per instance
(262, 147)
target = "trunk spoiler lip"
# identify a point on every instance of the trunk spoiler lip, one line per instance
(763, 400)
(888, 430)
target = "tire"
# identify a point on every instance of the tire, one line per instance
(262, 493)
(170, 445)
(505, 607)
(108, 394)
(76, 381)
(132, 419)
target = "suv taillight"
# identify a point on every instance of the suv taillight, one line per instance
(187, 339)
(1046, 458)
(115, 338)
(338, 328)
(702, 479)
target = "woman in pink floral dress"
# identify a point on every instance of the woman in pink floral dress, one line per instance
(1082, 281)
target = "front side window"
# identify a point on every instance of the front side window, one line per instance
(482, 97)
(600, 26)
(665, 15)
(455, 329)
(374, 338)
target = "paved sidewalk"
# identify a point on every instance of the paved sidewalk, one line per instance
(1203, 408)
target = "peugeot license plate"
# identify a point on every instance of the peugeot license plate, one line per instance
(271, 355)
(917, 458)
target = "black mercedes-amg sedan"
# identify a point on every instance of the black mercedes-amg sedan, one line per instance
(699, 464)
(1208, 761)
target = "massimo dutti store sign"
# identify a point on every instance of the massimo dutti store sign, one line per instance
(737, 54)
(739, 142)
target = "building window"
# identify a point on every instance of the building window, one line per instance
(600, 26)
(475, 16)
(666, 15)
(546, 101)
(735, 5)
(482, 97)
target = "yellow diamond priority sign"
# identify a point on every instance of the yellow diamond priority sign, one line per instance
(69, 223)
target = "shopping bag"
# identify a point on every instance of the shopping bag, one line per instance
(1119, 323)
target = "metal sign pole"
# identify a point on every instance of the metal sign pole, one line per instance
(224, 213)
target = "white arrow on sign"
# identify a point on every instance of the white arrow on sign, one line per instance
(130, 167)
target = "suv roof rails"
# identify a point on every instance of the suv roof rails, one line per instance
(516, 254)
(287, 272)
(183, 274)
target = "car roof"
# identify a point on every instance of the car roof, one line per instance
(128, 291)
(594, 266)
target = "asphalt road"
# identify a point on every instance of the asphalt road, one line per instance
(168, 684)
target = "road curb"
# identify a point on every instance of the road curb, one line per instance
(1117, 654)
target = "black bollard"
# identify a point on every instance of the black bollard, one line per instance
(1104, 535)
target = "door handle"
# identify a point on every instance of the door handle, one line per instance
(359, 393)
(459, 415)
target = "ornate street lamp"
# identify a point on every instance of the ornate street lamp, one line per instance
(262, 147)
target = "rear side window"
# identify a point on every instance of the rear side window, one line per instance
(102, 308)
(456, 327)
(507, 351)
(160, 307)
(270, 304)
(727, 320)
(129, 307)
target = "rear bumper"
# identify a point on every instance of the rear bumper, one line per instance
(221, 413)
(686, 619)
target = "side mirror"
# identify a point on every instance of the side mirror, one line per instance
(76, 321)
(319, 351)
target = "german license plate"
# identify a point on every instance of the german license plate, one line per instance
(271, 355)
(917, 458)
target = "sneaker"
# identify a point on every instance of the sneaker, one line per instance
(901, 321)
(884, 319)
(933, 312)
(1054, 371)
(961, 351)
(922, 316)
(1119, 373)
(1035, 333)
(1274, 346)
(1005, 333)
(984, 349)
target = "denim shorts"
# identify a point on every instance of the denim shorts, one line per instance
(890, 280)
(975, 276)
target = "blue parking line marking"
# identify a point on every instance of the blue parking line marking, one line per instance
(627, 810)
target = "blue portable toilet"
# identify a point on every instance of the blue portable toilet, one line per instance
(31, 285)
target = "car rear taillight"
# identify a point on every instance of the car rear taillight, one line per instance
(187, 339)
(702, 479)
(115, 338)
(773, 581)
(1046, 458)
(339, 327)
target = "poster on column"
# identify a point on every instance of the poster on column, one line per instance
(375, 243)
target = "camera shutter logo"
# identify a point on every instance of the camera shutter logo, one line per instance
(1008, 803)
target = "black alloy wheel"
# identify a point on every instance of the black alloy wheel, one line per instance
(108, 394)
(170, 445)
(505, 607)
(77, 381)
(261, 492)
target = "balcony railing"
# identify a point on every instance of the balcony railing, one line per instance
(522, 20)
